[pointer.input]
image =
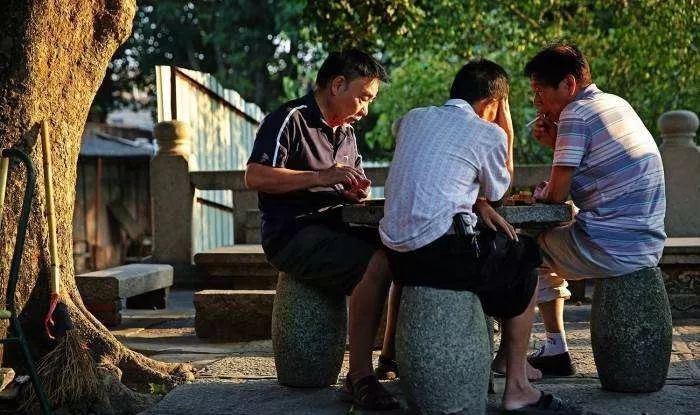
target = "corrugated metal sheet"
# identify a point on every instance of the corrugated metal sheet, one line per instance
(104, 145)
(223, 129)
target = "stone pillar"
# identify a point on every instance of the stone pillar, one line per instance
(443, 352)
(173, 197)
(631, 331)
(309, 327)
(681, 158)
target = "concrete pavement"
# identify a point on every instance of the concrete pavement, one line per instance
(239, 378)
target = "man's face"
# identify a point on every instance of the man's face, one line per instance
(349, 101)
(550, 101)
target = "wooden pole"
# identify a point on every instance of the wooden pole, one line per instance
(4, 166)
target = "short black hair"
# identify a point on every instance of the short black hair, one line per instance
(351, 64)
(480, 79)
(551, 65)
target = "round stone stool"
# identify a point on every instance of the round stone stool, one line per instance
(631, 331)
(442, 348)
(309, 328)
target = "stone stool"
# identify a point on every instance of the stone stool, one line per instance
(442, 348)
(631, 331)
(309, 328)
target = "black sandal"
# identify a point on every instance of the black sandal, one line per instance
(547, 404)
(387, 369)
(368, 393)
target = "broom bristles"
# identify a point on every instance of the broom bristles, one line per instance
(67, 373)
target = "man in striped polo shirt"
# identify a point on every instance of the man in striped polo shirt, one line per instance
(606, 159)
(304, 161)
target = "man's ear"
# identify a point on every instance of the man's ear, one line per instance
(570, 84)
(338, 84)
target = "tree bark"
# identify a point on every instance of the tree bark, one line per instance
(53, 56)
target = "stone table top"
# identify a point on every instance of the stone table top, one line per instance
(538, 215)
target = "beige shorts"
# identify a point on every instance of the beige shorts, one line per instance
(569, 254)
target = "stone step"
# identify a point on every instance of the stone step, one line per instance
(233, 315)
(238, 267)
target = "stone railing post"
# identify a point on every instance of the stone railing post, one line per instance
(173, 197)
(681, 158)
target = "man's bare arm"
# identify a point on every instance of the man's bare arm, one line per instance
(282, 180)
(559, 184)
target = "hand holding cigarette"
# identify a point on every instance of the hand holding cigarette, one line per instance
(545, 131)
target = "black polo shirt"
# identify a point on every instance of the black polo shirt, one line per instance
(296, 137)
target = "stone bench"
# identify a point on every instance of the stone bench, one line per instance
(233, 315)
(309, 328)
(442, 348)
(680, 265)
(144, 286)
(631, 331)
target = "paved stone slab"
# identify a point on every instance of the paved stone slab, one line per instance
(233, 315)
(123, 282)
(266, 397)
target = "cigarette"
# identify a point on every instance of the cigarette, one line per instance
(533, 121)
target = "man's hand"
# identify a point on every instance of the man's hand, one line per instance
(356, 195)
(348, 176)
(540, 193)
(503, 118)
(493, 220)
(545, 132)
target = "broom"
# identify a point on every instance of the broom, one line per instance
(68, 370)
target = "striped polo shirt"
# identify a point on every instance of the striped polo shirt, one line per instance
(618, 182)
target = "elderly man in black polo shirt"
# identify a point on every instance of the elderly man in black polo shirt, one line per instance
(305, 159)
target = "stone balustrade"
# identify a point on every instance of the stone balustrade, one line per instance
(172, 188)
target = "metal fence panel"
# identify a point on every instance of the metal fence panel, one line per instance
(223, 129)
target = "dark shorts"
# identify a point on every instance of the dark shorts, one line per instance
(504, 284)
(329, 257)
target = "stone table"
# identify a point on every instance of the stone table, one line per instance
(537, 216)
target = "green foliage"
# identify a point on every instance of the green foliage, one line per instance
(250, 46)
(157, 389)
(644, 51)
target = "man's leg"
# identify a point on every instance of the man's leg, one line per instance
(499, 364)
(553, 357)
(387, 367)
(516, 334)
(366, 303)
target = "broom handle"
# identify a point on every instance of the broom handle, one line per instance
(48, 185)
(4, 166)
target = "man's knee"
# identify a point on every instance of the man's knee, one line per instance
(551, 286)
(378, 270)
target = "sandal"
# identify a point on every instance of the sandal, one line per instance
(547, 404)
(368, 393)
(387, 369)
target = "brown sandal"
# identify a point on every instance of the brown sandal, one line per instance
(368, 393)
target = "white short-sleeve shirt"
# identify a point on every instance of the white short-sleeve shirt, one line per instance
(445, 157)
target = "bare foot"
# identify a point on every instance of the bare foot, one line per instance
(499, 366)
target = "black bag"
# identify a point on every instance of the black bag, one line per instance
(503, 259)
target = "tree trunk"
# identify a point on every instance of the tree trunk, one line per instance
(53, 56)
